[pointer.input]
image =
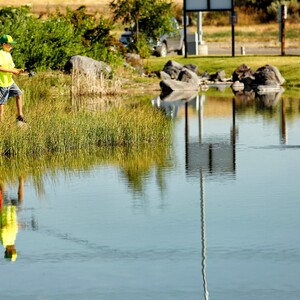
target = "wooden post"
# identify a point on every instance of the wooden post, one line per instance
(282, 32)
(232, 27)
(185, 30)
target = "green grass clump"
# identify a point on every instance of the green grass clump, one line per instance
(54, 129)
(57, 123)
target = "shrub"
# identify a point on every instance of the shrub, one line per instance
(48, 43)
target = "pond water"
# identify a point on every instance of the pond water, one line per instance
(214, 216)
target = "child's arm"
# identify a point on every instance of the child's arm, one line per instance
(13, 70)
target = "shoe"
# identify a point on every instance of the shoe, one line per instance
(21, 119)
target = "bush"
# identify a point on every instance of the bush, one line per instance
(48, 44)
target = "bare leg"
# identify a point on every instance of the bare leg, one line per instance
(21, 189)
(1, 111)
(19, 103)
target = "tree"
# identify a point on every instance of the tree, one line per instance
(146, 15)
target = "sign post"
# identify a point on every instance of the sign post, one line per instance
(282, 16)
(209, 5)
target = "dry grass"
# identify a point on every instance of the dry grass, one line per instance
(39, 7)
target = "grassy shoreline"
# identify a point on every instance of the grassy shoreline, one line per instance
(289, 66)
(59, 125)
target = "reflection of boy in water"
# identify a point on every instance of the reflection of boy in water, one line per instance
(8, 223)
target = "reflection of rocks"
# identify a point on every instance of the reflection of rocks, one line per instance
(170, 103)
(245, 96)
(179, 96)
(265, 98)
(269, 99)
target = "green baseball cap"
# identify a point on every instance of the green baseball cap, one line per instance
(7, 39)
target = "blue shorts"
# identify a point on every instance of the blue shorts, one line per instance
(9, 92)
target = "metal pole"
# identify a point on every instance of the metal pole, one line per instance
(283, 29)
(185, 29)
(199, 26)
(232, 27)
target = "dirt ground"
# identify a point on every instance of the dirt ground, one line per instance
(43, 6)
(249, 49)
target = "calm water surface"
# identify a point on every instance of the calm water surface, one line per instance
(217, 219)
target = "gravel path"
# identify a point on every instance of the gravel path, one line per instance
(250, 49)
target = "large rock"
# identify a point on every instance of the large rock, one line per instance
(168, 86)
(218, 76)
(87, 66)
(173, 68)
(177, 77)
(268, 75)
(189, 76)
(242, 72)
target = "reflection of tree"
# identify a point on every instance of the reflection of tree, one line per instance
(135, 163)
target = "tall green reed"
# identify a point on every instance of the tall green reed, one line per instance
(56, 124)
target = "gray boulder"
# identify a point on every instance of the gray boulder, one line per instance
(168, 86)
(174, 64)
(191, 67)
(242, 72)
(173, 68)
(87, 66)
(163, 75)
(176, 77)
(218, 76)
(172, 71)
(189, 76)
(268, 75)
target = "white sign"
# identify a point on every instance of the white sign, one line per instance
(206, 5)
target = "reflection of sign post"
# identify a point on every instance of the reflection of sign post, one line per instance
(217, 157)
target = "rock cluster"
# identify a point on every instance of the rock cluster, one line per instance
(266, 78)
(178, 77)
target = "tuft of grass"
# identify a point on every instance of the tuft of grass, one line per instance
(56, 128)
(58, 123)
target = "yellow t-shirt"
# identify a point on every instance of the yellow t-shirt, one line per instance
(8, 225)
(6, 62)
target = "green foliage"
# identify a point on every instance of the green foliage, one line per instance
(151, 17)
(140, 45)
(48, 44)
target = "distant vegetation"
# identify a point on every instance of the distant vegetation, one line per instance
(48, 43)
(249, 12)
(48, 40)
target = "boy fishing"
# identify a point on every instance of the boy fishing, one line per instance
(8, 88)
